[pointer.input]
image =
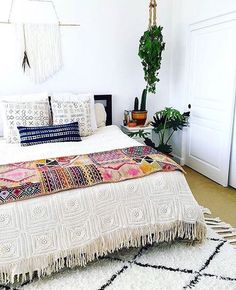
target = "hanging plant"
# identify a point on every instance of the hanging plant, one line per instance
(150, 51)
(151, 46)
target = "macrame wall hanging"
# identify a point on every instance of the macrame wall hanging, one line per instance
(41, 50)
(40, 44)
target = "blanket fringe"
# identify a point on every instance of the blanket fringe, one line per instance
(123, 238)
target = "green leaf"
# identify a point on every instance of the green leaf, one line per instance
(151, 46)
(168, 121)
(139, 133)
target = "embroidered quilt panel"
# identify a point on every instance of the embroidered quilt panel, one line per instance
(26, 180)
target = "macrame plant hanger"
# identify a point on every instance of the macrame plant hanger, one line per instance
(152, 13)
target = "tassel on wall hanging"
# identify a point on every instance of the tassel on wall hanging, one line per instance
(25, 61)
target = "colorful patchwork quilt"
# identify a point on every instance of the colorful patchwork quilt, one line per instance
(26, 180)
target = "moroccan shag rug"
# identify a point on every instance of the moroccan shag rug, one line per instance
(207, 266)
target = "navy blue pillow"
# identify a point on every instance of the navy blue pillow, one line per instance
(49, 134)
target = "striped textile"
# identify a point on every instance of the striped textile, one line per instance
(49, 134)
(36, 178)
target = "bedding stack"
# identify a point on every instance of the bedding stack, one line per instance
(38, 114)
(66, 204)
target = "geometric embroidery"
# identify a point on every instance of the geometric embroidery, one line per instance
(71, 177)
(49, 134)
(139, 151)
(108, 157)
(84, 175)
(18, 193)
(35, 178)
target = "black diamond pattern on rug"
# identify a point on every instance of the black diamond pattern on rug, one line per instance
(133, 257)
(193, 282)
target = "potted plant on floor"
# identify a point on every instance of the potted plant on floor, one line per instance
(165, 123)
(151, 46)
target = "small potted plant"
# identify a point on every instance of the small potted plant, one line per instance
(140, 115)
(132, 124)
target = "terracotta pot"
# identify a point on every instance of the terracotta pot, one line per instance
(132, 124)
(140, 117)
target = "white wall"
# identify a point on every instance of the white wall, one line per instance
(186, 12)
(99, 56)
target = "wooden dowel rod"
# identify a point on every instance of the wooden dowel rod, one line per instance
(60, 24)
(69, 24)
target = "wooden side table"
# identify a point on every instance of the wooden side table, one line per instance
(147, 129)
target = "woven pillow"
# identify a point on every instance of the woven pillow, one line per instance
(68, 112)
(75, 97)
(49, 134)
(39, 97)
(23, 114)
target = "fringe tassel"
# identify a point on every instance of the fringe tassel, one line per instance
(226, 231)
(125, 238)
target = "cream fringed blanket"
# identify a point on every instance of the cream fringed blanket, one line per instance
(73, 227)
(42, 43)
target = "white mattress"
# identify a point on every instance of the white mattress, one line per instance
(105, 138)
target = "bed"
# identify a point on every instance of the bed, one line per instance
(70, 228)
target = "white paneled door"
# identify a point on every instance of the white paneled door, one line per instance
(211, 93)
(232, 176)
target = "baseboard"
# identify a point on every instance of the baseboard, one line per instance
(178, 159)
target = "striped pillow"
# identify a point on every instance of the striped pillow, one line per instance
(49, 134)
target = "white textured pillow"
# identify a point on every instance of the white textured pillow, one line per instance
(73, 97)
(101, 115)
(23, 114)
(68, 112)
(39, 97)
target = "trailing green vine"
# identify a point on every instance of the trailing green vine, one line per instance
(151, 46)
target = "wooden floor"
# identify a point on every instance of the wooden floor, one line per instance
(220, 200)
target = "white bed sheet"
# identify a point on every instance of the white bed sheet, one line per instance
(105, 138)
